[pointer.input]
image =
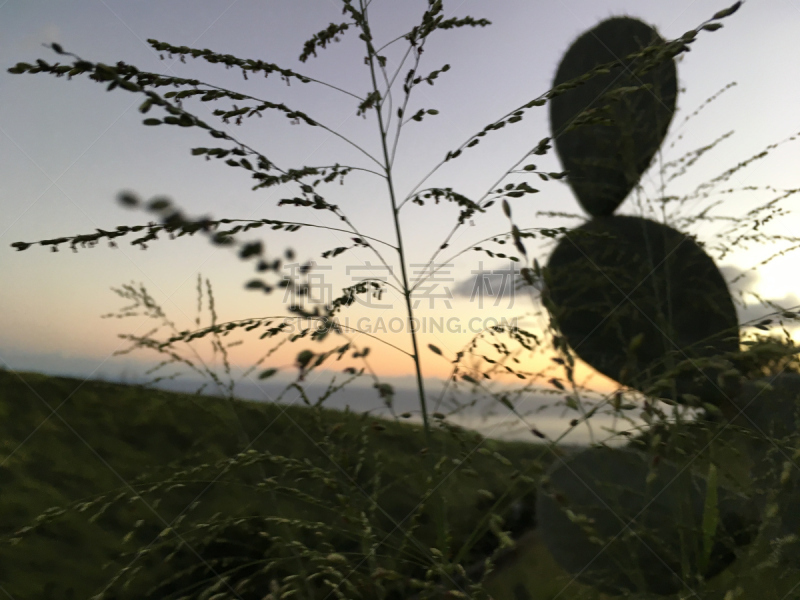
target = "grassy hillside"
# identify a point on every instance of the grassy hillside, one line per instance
(183, 491)
(122, 449)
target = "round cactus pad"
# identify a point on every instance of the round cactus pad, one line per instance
(621, 524)
(606, 159)
(644, 305)
(770, 409)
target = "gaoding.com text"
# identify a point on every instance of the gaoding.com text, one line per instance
(382, 324)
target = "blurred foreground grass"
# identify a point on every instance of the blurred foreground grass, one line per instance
(65, 440)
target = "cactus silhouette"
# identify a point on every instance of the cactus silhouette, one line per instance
(643, 304)
(623, 524)
(637, 300)
(605, 160)
(769, 407)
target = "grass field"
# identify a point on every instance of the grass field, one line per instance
(109, 439)
(141, 458)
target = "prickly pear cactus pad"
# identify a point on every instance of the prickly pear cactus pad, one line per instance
(622, 524)
(644, 304)
(605, 160)
(770, 409)
(641, 302)
(770, 406)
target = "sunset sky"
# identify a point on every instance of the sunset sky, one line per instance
(67, 148)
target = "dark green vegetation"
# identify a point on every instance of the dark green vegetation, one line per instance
(649, 521)
(302, 493)
(125, 449)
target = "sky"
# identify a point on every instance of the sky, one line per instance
(67, 148)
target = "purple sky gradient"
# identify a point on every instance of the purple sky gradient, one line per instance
(68, 147)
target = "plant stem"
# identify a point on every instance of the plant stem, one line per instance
(398, 231)
(440, 506)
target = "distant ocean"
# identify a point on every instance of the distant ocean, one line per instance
(490, 418)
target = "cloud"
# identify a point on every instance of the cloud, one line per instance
(744, 286)
(23, 43)
(489, 284)
(33, 42)
(494, 285)
(746, 280)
